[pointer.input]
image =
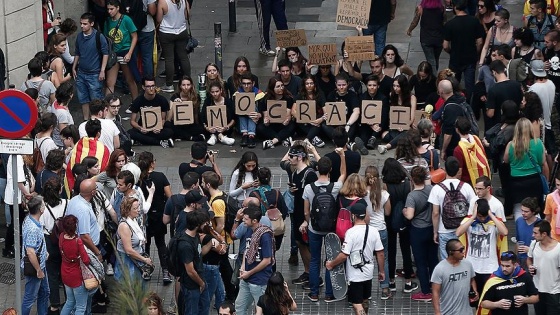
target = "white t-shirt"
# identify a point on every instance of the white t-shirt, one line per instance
(46, 144)
(547, 279)
(496, 207)
(354, 241)
(437, 194)
(9, 192)
(308, 195)
(108, 131)
(47, 219)
(63, 116)
(377, 218)
(481, 249)
(546, 92)
(150, 20)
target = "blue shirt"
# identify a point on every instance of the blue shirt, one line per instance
(265, 251)
(33, 237)
(86, 49)
(87, 222)
(524, 232)
(241, 234)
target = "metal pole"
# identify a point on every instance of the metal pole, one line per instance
(202, 88)
(17, 249)
(232, 17)
(218, 45)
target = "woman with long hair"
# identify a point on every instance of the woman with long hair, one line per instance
(108, 178)
(398, 186)
(240, 66)
(500, 33)
(92, 166)
(213, 75)
(486, 13)
(187, 92)
(56, 49)
(300, 67)
(277, 298)
(73, 251)
(430, 15)
(155, 227)
(353, 191)
(325, 79)
(63, 95)
(244, 176)
(532, 109)
(217, 98)
(309, 91)
(44, 128)
(527, 159)
(401, 95)
(408, 154)
(379, 206)
(393, 64)
(276, 132)
(423, 83)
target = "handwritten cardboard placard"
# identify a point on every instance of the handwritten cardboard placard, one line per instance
(371, 112)
(353, 13)
(216, 116)
(418, 115)
(151, 118)
(291, 38)
(244, 103)
(399, 117)
(359, 48)
(322, 54)
(183, 113)
(277, 111)
(305, 111)
(336, 113)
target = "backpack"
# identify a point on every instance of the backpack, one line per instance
(324, 211)
(344, 218)
(57, 227)
(231, 210)
(469, 114)
(172, 255)
(112, 55)
(272, 213)
(398, 221)
(135, 10)
(455, 206)
(38, 162)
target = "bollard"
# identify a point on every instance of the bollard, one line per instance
(232, 17)
(202, 88)
(218, 45)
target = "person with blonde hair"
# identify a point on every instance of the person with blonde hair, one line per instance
(527, 160)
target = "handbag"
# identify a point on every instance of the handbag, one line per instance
(544, 182)
(90, 281)
(437, 176)
(192, 42)
(28, 269)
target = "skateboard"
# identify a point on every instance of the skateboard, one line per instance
(338, 274)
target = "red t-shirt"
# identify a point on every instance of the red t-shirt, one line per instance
(70, 270)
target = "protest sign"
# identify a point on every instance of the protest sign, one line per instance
(183, 113)
(336, 113)
(277, 111)
(399, 117)
(371, 112)
(359, 48)
(353, 13)
(305, 111)
(244, 103)
(322, 54)
(216, 115)
(291, 38)
(151, 118)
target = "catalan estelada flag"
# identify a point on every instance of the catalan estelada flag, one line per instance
(86, 146)
(475, 159)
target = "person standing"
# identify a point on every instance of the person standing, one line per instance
(551, 53)
(504, 89)
(452, 280)
(546, 90)
(543, 262)
(265, 10)
(381, 13)
(430, 15)
(539, 21)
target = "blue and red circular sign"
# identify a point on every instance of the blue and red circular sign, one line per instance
(18, 114)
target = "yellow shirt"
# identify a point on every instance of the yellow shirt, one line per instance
(551, 7)
(551, 208)
(219, 208)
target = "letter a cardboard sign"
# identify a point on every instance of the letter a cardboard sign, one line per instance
(216, 116)
(244, 103)
(151, 118)
(277, 111)
(336, 113)
(304, 111)
(399, 117)
(182, 113)
(371, 112)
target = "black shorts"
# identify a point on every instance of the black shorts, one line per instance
(358, 292)
(549, 142)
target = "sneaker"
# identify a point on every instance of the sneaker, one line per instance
(168, 88)
(251, 142)
(359, 146)
(293, 260)
(410, 287)
(164, 144)
(166, 278)
(287, 142)
(162, 74)
(227, 140)
(171, 142)
(317, 142)
(267, 144)
(109, 270)
(386, 294)
(371, 143)
(267, 52)
(312, 297)
(382, 148)
(128, 110)
(199, 137)
(422, 297)
(302, 279)
(330, 299)
(212, 140)
(400, 273)
(307, 286)
(392, 286)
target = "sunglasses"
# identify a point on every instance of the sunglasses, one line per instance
(291, 156)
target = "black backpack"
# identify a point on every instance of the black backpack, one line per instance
(135, 9)
(172, 255)
(231, 210)
(112, 55)
(324, 210)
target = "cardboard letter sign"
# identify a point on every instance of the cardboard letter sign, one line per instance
(399, 117)
(371, 112)
(277, 111)
(291, 38)
(151, 118)
(216, 116)
(322, 54)
(305, 111)
(182, 113)
(336, 113)
(353, 13)
(359, 48)
(418, 115)
(244, 103)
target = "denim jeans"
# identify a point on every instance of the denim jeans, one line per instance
(432, 53)
(468, 71)
(443, 238)
(215, 285)
(248, 293)
(89, 87)
(379, 33)
(36, 290)
(385, 241)
(315, 246)
(125, 264)
(247, 125)
(425, 253)
(145, 49)
(196, 303)
(77, 300)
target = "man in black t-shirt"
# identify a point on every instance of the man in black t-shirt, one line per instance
(370, 133)
(350, 98)
(150, 98)
(291, 82)
(353, 159)
(451, 110)
(504, 90)
(200, 155)
(551, 54)
(385, 82)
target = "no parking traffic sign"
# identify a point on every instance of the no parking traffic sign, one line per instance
(18, 114)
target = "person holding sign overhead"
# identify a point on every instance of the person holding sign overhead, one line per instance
(276, 110)
(342, 94)
(349, 68)
(218, 132)
(310, 92)
(248, 123)
(186, 93)
(369, 132)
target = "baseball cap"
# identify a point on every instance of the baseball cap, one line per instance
(537, 67)
(194, 196)
(358, 210)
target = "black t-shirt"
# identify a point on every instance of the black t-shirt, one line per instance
(462, 32)
(380, 12)
(498, 94)
(189, 250)
(345, 202)
(173, 207)
(319, 103)
(422, 88)
(507, 290)
(230, 110)
(211, 258)
(294, 85)
(262, 104)
(326, 87)
(449, 116)
(268, 307)
(353, 163)
(300, 179)
(141, 102)
(42, 178)
(385, 85)
(431, 26)
(385, 110)
(186, 167)
(554, 71)
(155, 224)
(350, 98)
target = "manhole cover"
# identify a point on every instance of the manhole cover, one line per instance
(7, 273)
